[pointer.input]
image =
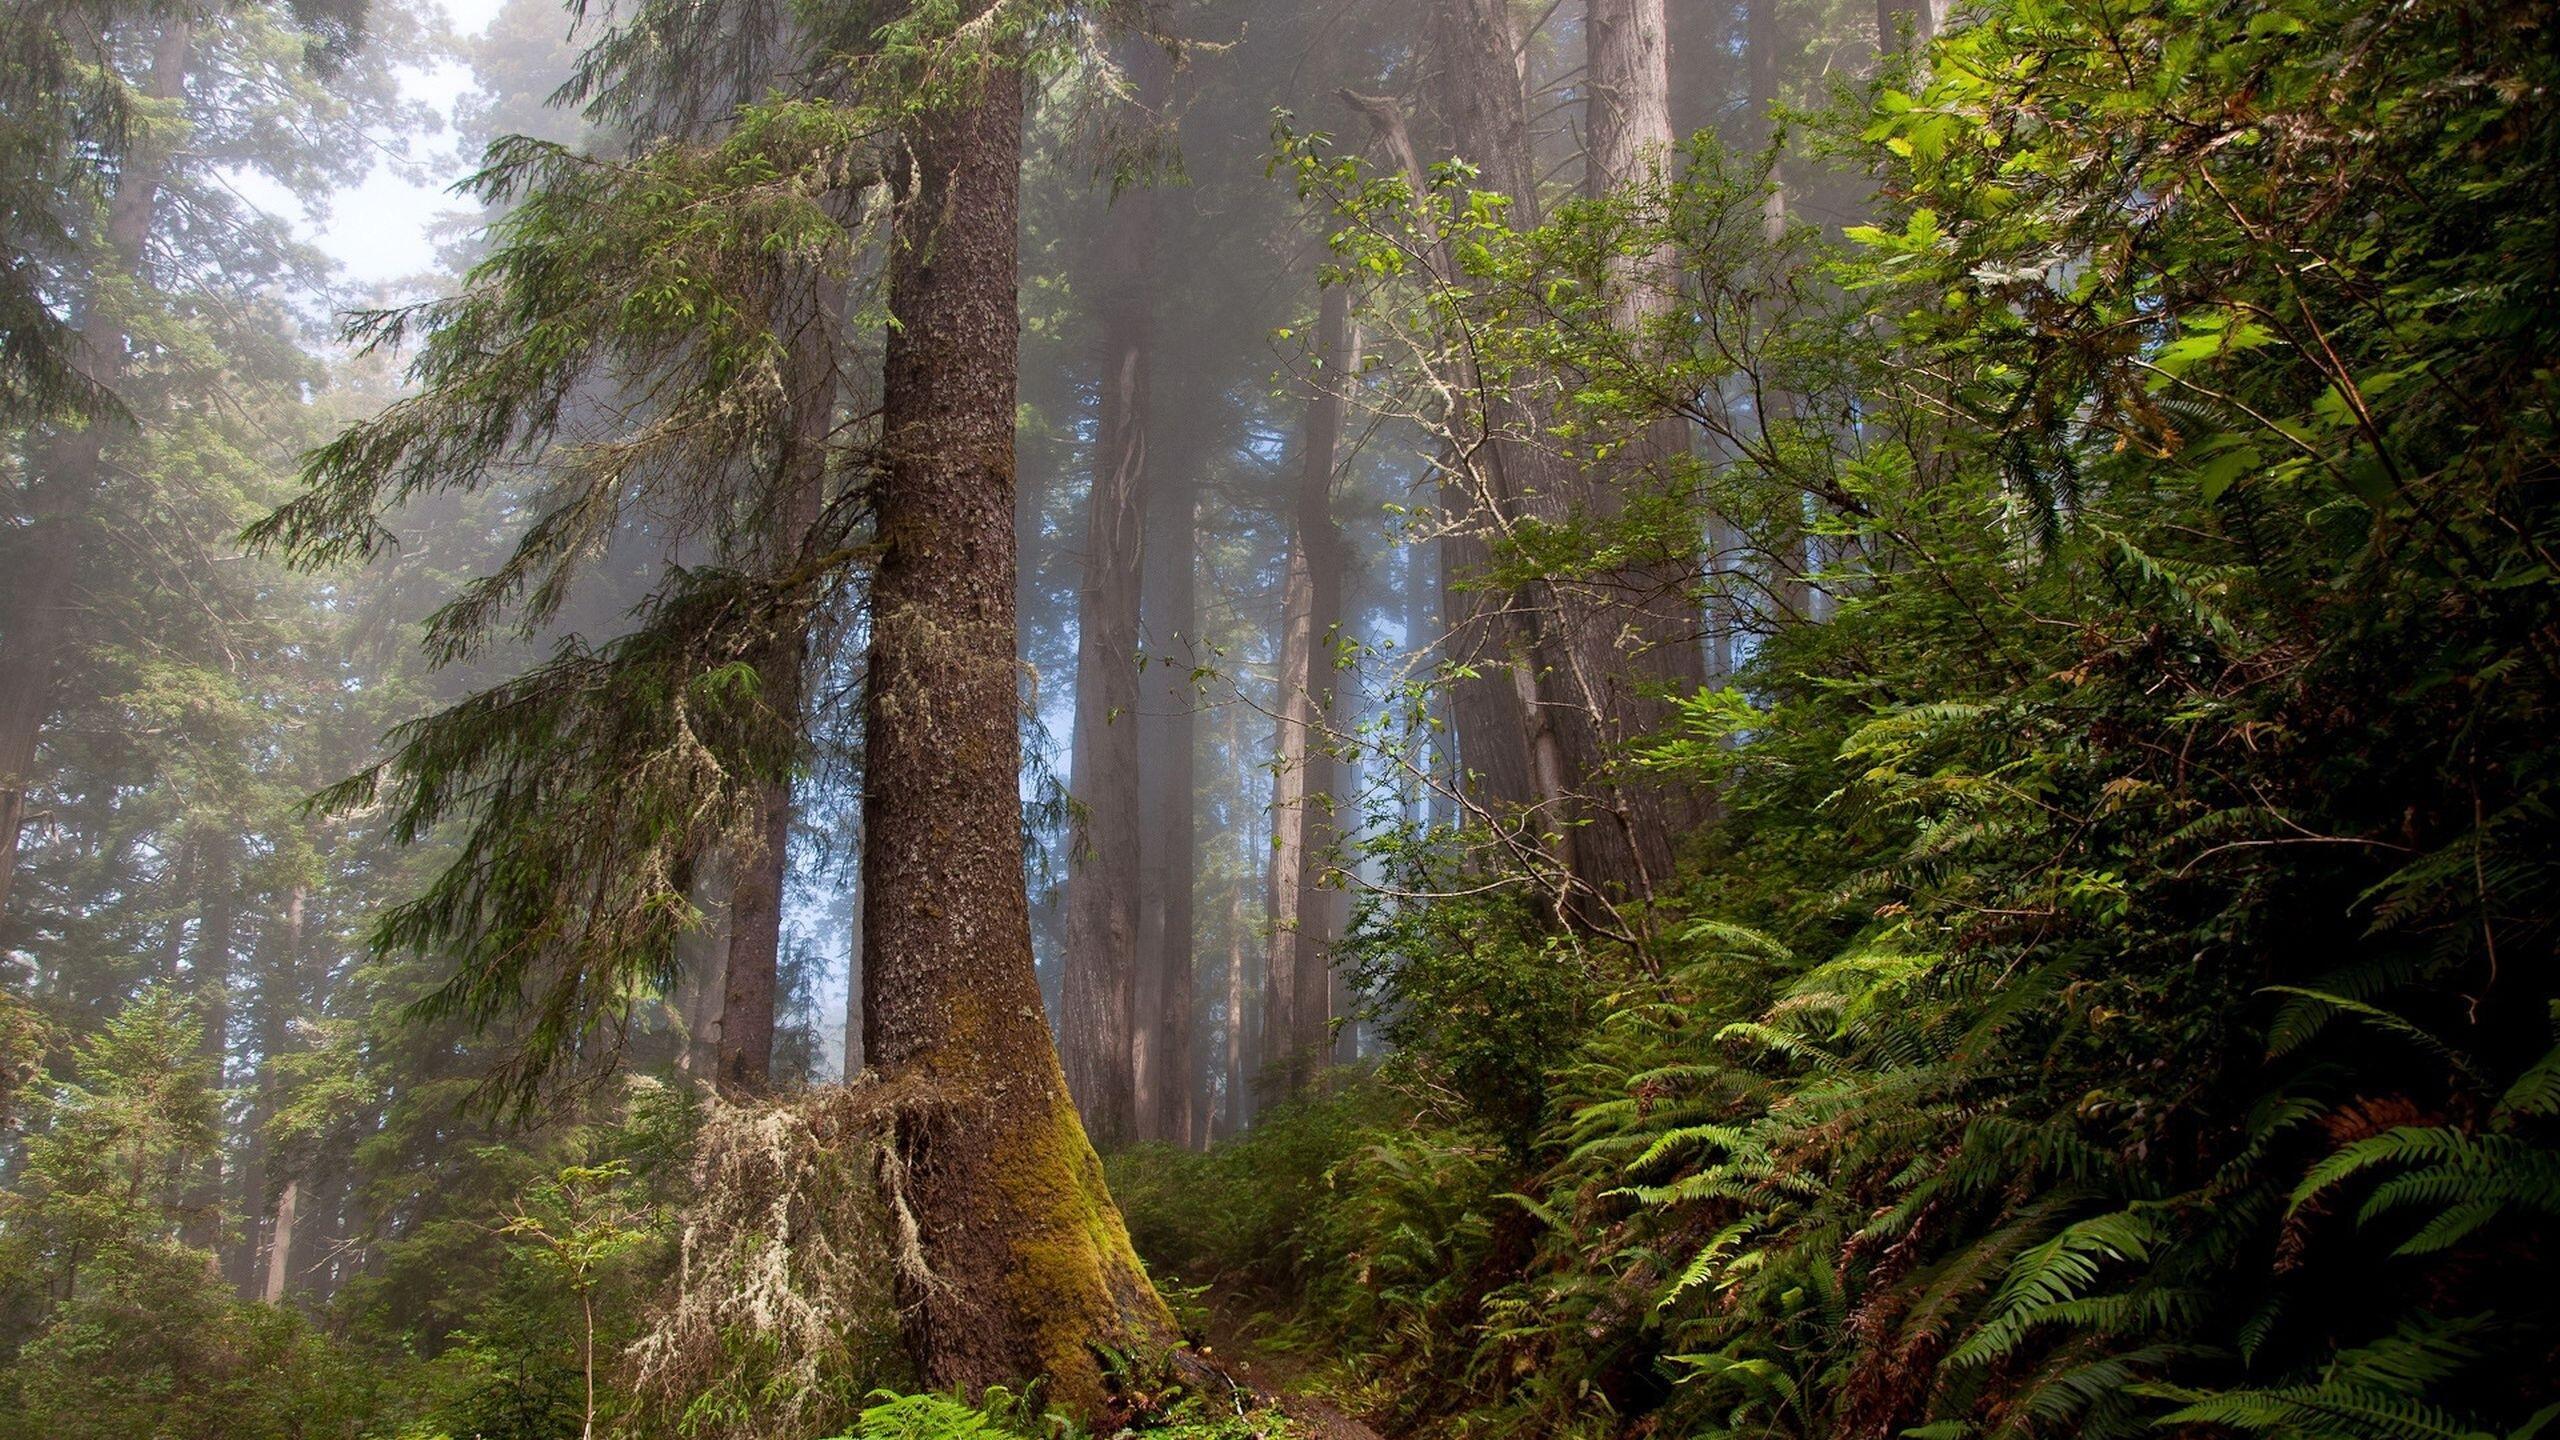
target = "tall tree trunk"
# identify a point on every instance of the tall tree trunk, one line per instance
(1421, 629)
(1297, 982)
(1097, 1023)
(1024, 1264)
(65, 473)
(1495, 733)
(751, 970)
(1760, 45)
(1341, 1001)
(1788, 589)
(280, 1242)
(702, 969)
(1575, 672)
(177, 891)
(1702, 82)
(209, 976)
(1506, 736)
(279, 1000)
(1168, 832)
(1650, 646)
(1235, 1108)
(762, 870)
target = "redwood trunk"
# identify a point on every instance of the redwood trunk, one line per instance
(1790, 592)
(1484, 647)
(1024, 1264)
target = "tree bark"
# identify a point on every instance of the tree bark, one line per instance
(1098, 1017)
(853, 1056)
(1425, 802)
(1342, 1037)
(1702, 33)
(66, 472)
(1023, 1263)
(751, 970)
(702, 961)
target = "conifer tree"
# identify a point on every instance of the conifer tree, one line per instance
(1025, 1266)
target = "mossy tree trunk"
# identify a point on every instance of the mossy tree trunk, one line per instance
(1025, 1265)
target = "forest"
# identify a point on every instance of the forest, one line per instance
(1244, 719)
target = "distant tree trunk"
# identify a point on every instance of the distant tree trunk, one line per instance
(209, 976)
(1761, 41)
(702, 968)
(280, 1242)
(752, 969)
(1650, 642)
(1629, 106)
(1421, 627)
(1787, 588)
(279, 999)
(1235, 1110)
(1341, 1001)
(1099, 1010)
(1297, 981)
(177, 893)
(66, 471)
(1565, 657)
(1168, 839)
(1506, 737)
(1025, 1265)
(762, 870)
(1702, 35)
(336, 1225)
(1493, 734)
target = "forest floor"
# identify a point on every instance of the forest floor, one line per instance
(1288, 1379)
